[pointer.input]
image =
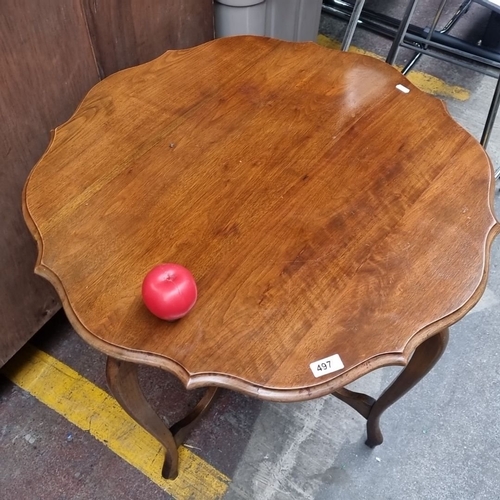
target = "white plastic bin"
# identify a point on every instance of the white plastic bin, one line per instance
(239, 17)
(295, 20)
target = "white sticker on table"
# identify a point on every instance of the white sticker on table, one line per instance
(326, 365)
(402, 88)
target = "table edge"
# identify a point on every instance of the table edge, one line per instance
(194, 381)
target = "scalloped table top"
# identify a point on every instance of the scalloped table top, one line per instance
(322, 210)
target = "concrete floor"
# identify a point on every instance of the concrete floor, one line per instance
(441, 440)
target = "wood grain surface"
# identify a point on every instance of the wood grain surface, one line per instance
(321, 210)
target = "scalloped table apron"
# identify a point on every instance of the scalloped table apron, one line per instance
(335, 217)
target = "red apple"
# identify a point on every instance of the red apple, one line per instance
(169, 291)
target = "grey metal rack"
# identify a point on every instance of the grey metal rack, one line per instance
(428, 41)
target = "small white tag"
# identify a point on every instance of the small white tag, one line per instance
(326, 365)
(402, 88)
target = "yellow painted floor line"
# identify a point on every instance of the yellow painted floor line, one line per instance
(92, 409)
(424, 81)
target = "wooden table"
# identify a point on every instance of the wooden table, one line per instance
(335, 217)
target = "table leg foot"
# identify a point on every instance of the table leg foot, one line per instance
(424, 358)
(426, 355)
(124, 385)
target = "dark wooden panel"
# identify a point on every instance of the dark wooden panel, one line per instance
(130, 32)
(46, 67)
